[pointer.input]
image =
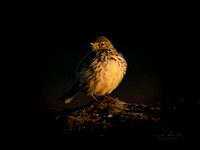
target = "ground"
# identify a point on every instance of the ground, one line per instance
(119, 121)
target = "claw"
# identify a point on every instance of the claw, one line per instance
(106, 99)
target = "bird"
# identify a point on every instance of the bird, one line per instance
(99, 72)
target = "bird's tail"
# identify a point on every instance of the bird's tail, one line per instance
(69, 95)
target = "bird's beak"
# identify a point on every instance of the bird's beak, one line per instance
(92, 44)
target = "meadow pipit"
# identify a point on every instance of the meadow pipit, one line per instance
(99, 72)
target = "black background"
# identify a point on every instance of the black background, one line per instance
(151, 40)
(151, 43)
(50, 42)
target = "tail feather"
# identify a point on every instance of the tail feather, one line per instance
(69, 95)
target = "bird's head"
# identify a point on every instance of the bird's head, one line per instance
(101, 43)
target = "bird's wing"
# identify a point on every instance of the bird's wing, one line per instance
(86, 61)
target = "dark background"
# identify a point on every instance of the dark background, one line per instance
(50, 41)
(152, 44)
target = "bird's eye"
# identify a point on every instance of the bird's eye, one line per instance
(102, 44)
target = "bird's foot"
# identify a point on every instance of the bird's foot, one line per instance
(107, 99)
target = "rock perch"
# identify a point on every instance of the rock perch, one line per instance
(119, 120)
